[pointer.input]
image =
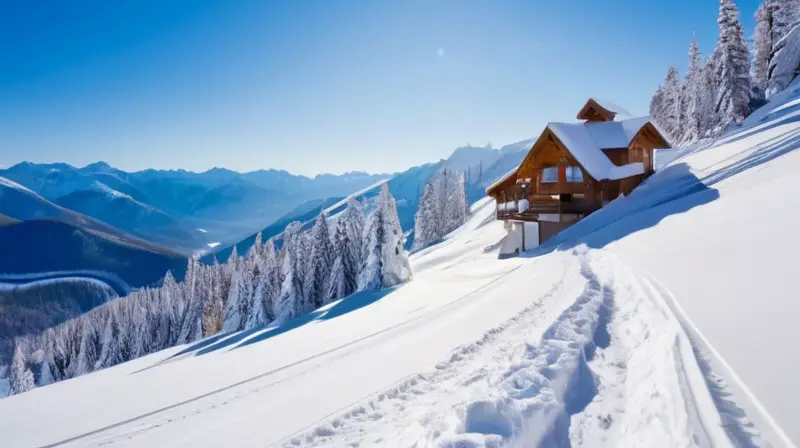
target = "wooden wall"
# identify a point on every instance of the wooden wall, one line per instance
(548, 151)
(643, 145)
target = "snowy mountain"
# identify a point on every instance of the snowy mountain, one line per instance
(167, 206)
(665, 319)
(123, 211)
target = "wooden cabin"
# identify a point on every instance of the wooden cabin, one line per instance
(574, 169)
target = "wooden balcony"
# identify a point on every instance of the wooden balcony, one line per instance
(549, 207)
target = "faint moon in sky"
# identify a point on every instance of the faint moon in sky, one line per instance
(440, 51)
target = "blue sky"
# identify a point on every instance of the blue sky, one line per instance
(320, 86)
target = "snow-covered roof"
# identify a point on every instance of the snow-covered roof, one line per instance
(502, 179)
(586, 142)
(611, 106)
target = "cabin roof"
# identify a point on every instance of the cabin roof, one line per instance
(586, 142)
(505, 177)
(611, 106)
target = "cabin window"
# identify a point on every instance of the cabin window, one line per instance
(550, 175)
(574, 174)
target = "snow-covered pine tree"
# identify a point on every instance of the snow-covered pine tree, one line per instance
(455, 213)
(272, 278)
(425, 220)
(192, 325)
(672, 104)
(318, 265)
(784, 14)
(733, 70)
(386, 264)
(110, 354)
(232, 319)
(369, 277)
(785, 59)
(259, 311)
(292, 285)
(657, 106)
(240, 298)
(174, 298)
(348, 247)
(90, 344)
(20, 377)
(213, 313)
(763, 42)
(356, 222)
(696, 96)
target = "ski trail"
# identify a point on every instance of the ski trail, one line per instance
(660, 353)
(726, 395)
(601, 360)
(534, 357)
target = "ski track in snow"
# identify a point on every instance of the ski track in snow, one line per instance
(615, 368)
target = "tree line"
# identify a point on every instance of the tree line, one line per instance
(442, 208)
(275, 281)
(722, 89)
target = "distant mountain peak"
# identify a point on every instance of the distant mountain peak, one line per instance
(98, 167)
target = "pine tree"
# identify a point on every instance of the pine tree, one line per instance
(260, 310)
(784, 14)
(697, 100)
(174, 299)
(192, 324)
(763, 43)
(455, 213)
(657, 107)
(90, 345)
(320, 260)
(272, 278)
(733, 71)
(213, 313)
(111, 353)
(20, 376)
(240, 298)
(292, 285)
(672, 104)
(348, 243)
(784, 63)
(369, 277)
(386, 264)
(425, 220)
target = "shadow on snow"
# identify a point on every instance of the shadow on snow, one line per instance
(247, 337)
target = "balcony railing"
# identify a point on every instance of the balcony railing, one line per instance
(531, 211)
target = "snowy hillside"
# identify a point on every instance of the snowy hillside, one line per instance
(665, 319)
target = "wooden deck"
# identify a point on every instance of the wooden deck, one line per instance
(581, 207)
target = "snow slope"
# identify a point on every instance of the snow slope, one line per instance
(665, 319)
(718, 229)
(572, 347)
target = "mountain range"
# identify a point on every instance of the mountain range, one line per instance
(138, 225)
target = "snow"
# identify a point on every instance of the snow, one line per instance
(105, 189)
(784, 65)
(213, 245)
(361, 192)
(4, 387)
(11, 184)
(665, 319)
(611, 106)
(585, 141)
